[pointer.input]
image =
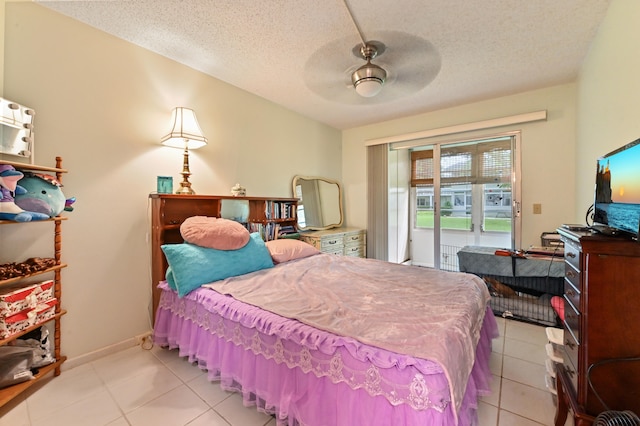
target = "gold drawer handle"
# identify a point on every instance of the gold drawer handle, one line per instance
(571, 274)
(571, 254)
(333, 242)
(570, 292)
(570, 344)
(355, 238)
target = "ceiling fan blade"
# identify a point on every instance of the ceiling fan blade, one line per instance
(411, 63)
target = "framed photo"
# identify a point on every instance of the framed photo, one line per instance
(165, 185)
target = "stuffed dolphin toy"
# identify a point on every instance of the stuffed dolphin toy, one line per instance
(9, 188)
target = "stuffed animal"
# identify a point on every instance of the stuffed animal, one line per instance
(9, 188)
(43, 194)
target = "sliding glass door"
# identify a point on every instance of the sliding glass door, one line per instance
(462, 194)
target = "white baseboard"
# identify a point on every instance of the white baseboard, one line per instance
(100, 353)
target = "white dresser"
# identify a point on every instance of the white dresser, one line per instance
(342, 241)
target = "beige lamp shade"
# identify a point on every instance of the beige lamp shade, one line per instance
(185, 134)
(185, 130)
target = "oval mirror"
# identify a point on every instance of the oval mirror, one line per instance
(320, 202)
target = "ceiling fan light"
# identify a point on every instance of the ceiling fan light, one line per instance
(368, 88)
(368, 79)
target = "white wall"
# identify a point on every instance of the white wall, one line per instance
(608, 95)
(548, 148)
(102, 104)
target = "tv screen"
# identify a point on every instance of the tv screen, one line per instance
(617, 194)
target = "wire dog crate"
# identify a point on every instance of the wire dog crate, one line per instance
(521, 288)
(531, 298)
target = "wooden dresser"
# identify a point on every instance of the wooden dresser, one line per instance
(341, 241)
(601, 327)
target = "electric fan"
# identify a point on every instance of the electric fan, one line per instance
(617, 418)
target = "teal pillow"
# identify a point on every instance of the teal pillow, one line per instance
(171, 281)
(190, 266)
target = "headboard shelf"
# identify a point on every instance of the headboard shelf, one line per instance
(168, 211)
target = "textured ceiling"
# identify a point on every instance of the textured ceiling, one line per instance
(298, 53)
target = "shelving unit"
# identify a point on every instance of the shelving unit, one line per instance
(9, 393)
(168, 211)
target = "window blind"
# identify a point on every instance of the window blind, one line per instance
(474, 163)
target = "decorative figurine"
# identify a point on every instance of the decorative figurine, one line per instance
(239, 191)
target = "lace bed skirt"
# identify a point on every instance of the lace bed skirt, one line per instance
(310, 377)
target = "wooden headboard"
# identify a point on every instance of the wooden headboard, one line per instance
(168, 211)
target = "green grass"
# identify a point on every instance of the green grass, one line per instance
(425, 220)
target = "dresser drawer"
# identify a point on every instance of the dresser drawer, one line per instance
(572, 275)
(331, 244)
(572, 292)
(354, 244)
(571, 321)
(325, 243)
(572, 255)
(352, 239)
(571, 370)
(355, 251)
(571, 347)
(333, 250)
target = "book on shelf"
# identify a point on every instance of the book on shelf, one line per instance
(279, 210)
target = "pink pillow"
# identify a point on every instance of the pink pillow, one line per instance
(212, 232)
(287, 249)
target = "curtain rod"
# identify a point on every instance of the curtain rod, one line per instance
(460, 128)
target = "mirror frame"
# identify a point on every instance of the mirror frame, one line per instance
(329, 181)
(16, 129)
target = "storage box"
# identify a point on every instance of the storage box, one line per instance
(550, 382)
(19, 298)
(551, 367)
(556, 338)
(16, 323)
(45, 311)
(14, 300)
(553, 354)
(44, 291)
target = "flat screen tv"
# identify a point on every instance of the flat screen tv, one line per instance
(617, 193)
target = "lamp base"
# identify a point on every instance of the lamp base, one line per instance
(185, 191)
(185, 185)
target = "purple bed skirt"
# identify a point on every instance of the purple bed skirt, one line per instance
(306, 376)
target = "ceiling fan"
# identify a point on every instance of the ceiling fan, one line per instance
(369, 78)
(405, 64)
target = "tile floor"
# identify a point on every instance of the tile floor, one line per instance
(156, 387)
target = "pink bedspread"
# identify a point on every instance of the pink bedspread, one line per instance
(420, 312)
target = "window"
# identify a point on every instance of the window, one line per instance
(463, 166)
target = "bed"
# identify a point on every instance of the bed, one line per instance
(320, 339)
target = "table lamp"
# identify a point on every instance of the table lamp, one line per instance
(186, 134)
